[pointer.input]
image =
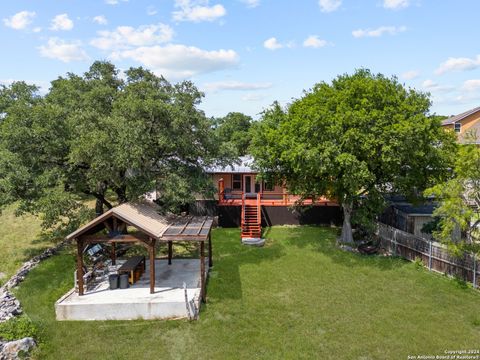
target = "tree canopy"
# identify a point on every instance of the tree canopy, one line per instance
(458, 212)
(234, 130)
(353, 140)
(98, 134)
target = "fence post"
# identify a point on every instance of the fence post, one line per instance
(474, 270)
(430, 256)
(394, 242)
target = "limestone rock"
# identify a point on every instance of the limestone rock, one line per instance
(9, 306)
(11, 350)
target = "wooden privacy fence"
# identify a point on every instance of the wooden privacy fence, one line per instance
(434, 255)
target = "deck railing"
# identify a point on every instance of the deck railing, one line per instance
(275, 198)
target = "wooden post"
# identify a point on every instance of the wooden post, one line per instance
(80, 267)
(210, 259)
(202, 270)
(114, 253)
(430, 256)
(151, 251)
(474, 271)
(170, 252)
(394, 242)
(221, 190)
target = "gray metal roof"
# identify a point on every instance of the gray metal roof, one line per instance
(412, 210)
(244, 166)
(459, 117)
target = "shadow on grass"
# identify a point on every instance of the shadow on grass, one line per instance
(323, 240)
(229, 254)
(45, 240)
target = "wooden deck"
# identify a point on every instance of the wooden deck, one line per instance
(290, 201)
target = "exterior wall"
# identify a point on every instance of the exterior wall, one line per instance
(419, 222)
(227, 181)
(230, 216)
(473, 130)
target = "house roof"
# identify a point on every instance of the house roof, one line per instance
(459, 117)
(412, 210)
(244, 166)
(143, 216)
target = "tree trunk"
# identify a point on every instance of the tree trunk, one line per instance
(347, 235)
(98, 207)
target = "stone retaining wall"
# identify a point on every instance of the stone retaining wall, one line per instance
(10, 306)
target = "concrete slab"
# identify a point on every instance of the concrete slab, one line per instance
(136, 302)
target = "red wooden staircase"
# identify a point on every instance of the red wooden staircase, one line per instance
(251, 218)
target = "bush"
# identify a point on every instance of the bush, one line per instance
(17, 328)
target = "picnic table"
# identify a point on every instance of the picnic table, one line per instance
(134, 267)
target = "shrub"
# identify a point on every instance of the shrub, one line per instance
(17, 328)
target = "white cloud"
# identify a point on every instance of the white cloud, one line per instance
(127, 36)
(62, 50)
(431, 85)
(235, 86)
(314, 42)
(197, 11)
(37, 29)
(391, 30)
(20, 20)
(61, 22)
(251, 3)
(180, 61)
(329, 5)
(395, 4)
(471, 85)
(458, 64)
(114, 2)
(411, 74)
(272, 44)
(100, 20)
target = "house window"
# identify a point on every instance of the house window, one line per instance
(237, 182)
(269, 185)
(458, 127)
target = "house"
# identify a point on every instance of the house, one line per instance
(242, 200)
(466, 125)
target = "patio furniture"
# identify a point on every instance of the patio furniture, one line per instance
(88, 277)
(134, 267)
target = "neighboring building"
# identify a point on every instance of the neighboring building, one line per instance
(408, 217)
(241, 200)
(466, 125)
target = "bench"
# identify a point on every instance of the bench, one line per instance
(134, 267)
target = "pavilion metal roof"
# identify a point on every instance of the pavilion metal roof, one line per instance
(145, 217)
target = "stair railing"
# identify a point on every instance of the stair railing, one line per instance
(243, 209)
(259, 209)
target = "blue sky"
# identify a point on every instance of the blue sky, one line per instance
(245, 54)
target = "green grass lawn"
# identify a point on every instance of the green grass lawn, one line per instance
(297, 297)
(20, 240)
